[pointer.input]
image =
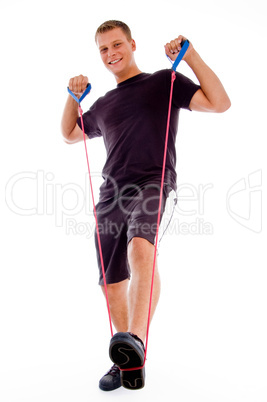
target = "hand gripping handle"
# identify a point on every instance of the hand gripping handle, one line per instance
(185, 46)
(86, 92)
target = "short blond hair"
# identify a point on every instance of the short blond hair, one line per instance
(112, 24)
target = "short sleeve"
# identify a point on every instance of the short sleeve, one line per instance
(183, 90)
(91, 127)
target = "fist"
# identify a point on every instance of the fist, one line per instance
(174, 46)
(78, 84)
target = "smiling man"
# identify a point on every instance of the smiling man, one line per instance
(117, 53)
(132, 121)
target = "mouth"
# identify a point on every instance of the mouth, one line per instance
(114, 61)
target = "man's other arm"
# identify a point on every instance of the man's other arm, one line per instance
(70, 130)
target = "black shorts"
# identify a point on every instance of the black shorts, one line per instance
(133, 214)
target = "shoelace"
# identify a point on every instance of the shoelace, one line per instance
(113, 371)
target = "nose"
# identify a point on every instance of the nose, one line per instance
(111, 52)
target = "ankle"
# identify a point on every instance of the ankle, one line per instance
(139, 334)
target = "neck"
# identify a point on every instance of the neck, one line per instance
(125, 75)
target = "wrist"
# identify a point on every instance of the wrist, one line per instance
(77, 94)
(191, 57)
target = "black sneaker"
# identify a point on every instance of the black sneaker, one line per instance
(111, 380)
(127, 351)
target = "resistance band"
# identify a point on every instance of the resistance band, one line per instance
(185, 45)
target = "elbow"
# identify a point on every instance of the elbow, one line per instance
(65, 135)
(71, 136)
(67, 141)
(223, 106)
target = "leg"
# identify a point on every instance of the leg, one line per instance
(127, 351)
(141, 257)
(121, 349)
(129, 311)
(118, 304)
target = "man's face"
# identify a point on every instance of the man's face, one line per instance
(116, 51)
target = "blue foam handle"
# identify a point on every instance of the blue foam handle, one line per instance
(86, 92)
(185, 46)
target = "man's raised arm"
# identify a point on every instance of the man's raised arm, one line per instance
(212, 96)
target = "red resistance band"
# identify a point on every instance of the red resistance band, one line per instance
(173, 76)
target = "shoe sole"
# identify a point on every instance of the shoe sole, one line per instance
(125, 353)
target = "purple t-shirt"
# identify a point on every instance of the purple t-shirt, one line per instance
(132, 119)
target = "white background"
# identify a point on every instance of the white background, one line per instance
(208, 339)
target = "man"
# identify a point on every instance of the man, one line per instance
(132, 120)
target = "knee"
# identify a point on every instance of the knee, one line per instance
(116, 291)
(139, 249)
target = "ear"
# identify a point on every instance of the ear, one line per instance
(133, 45)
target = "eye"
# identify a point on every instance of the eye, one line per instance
(117, 44)
(103, 50)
